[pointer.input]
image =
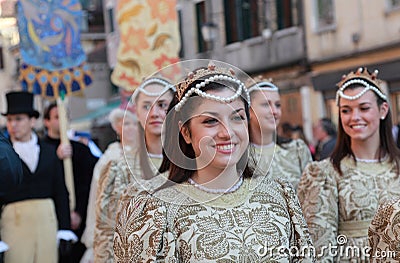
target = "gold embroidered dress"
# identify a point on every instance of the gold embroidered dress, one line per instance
(113, 152)
(112, 182)
(338, 209)
(182, 223)
(384, 232)
(288, 163)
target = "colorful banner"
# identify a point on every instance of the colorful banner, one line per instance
(52, 57)
(149, 40)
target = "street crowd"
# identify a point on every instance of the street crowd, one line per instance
(199, 173)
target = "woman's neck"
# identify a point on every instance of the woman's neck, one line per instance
(367, 150)
(261, 138)
(216, 178)
(153, 144)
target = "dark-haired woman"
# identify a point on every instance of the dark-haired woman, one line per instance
(211, 209)
(340, 195)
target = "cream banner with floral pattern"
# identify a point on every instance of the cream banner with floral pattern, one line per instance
(149, 40)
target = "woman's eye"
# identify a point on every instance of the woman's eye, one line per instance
(344, 111)
(210, 121)
(163, 105)
(238, 117)
(278, 105)
(365, 108)
(147, 107)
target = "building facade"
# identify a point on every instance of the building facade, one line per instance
(305, 46)
(261, 37)
(344, 35)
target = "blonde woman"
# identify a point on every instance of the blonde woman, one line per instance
(121, 122)
(151, 100)
(290, 157)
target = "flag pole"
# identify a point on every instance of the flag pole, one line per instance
(68, 172)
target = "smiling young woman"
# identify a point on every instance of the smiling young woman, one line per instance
(212, 208)
(290, 157)
(340, 195)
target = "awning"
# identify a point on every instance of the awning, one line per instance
(84, 122)
(327, 81)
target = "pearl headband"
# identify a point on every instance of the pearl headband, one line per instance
(263, 85)
(362, 76)
(205, 95)
(154, 80)
(211, 74)
(366, 85)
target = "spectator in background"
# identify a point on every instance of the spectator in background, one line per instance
(298, 133)
(84, 137)
(325, 133)
(286, 130)
(83, 163)
(36, 212)
(122, 122)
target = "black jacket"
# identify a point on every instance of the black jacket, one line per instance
(47, 181)
(83, 162)
(10, 166)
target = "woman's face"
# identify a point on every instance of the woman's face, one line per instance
(218, 132)
(151, 110)
(360, 118)
(129, 129)
(265, 110)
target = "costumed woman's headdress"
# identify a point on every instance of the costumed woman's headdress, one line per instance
(262, 84)
(363, 78)
(208, 75)
(153, 80)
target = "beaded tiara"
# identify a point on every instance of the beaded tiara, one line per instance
(362, 77)
(153, 80)
(208, 75)
(262, 84)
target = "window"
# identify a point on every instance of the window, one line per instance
(94, 15)
(1, 58)
(181, 51)
(280, 14)
(325, 14)
(284, 11)
(393, 4)
(201, 20)
(111, 19)
(241, 20)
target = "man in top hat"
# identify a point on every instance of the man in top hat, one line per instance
(36, 212)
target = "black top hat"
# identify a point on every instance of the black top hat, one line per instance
(20, 102)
